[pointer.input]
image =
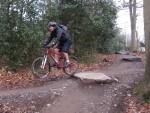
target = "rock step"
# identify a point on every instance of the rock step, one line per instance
(89, 77)
(132, 58)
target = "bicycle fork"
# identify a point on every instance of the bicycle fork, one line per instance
(44, 61)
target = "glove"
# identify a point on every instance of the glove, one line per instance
(53, 43)
(43, 46)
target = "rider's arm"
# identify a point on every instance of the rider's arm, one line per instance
(59, 33)
(47, 41)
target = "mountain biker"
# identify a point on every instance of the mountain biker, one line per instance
(63, 42)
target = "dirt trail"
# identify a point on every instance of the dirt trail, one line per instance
(73, 96)
(99, 98)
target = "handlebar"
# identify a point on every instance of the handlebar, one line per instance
(51, 45)
(47, 47)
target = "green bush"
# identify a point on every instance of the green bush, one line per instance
(23, 25)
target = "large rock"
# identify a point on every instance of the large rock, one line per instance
(132, 58)
(89, 77)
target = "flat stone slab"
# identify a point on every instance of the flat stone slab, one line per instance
(123, 52)
(93, 77)
(132, 58)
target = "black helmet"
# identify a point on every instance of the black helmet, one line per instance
(52, 24)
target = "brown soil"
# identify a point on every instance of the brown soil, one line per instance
(73, 96)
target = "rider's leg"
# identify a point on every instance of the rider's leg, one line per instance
(65, 50)
(56, 54)
(66, 57)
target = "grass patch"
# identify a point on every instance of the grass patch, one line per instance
(142, 90)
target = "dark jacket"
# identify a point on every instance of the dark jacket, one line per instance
(59, 34)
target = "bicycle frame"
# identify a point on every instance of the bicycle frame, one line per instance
(51, 53)
(44, 61)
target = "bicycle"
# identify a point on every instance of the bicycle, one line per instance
(41, 66)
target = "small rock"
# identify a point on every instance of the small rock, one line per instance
(90, 87)
(9, 72)
(48, 105)
(7, 103)
(22, 96)
(115, 95)
(101, 103)
(33, 107)
(120, 93)
(92, 103)
(18, 109)
(115, 89)
(32, 102)
(129, 95)
(115, 105)
(56, 94)
(128, 87)
(115, 79)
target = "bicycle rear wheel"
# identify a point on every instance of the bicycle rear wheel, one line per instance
(37, 69)
(72, 68)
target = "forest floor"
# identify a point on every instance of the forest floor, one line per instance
(21, 93)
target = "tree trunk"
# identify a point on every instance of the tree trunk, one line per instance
(147, 38)
(132, 10)
(61, 11)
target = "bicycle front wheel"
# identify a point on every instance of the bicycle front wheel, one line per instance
(72, 68)
(37, 69)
